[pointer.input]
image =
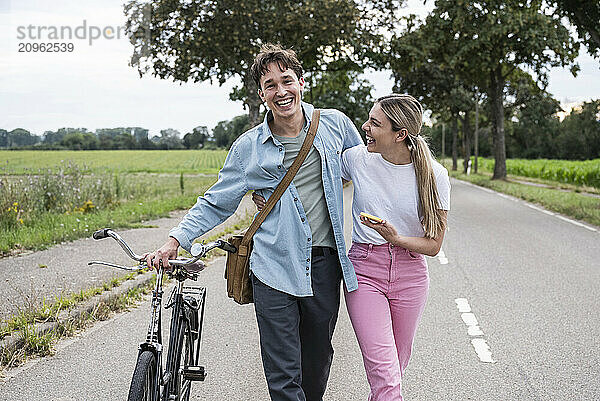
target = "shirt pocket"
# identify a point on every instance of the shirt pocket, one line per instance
(334, 160)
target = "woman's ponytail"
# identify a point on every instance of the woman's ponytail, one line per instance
(433, 224)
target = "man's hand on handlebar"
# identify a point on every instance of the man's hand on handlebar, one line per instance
(163, 254)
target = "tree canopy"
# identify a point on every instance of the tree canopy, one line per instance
(484, 42)
(202, 40)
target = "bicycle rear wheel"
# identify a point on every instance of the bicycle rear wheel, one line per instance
(143, 382)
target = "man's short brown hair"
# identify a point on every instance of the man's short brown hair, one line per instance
(270, 53)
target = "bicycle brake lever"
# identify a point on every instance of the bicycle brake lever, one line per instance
(99, 262)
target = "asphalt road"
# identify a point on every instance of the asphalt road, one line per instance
(529, 278)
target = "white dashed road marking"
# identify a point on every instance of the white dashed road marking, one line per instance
(478, 341)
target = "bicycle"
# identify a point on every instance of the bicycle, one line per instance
(150, 382)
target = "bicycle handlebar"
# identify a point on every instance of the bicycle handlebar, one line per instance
(100, 234)
(191, 264)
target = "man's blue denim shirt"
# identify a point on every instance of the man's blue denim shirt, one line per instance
(281, 257)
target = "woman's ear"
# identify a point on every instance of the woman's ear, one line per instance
(402, 134)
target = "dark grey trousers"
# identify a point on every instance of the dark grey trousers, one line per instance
(295, 332)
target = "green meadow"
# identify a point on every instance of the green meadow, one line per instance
(120, 161)
(47, 197)
(581, 173)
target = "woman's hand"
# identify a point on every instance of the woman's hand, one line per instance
(259, 201)
(426, 246)
(385, 229)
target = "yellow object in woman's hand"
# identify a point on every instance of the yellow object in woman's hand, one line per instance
(374, 219)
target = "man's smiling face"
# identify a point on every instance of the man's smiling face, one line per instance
(282, 91)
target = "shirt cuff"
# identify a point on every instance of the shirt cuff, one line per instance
(180, 236)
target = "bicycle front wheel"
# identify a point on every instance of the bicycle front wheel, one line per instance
(185, 358)
(143, 382)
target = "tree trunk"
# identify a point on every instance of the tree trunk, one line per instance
(454, 143)
(497, 99)
(466, 142)
(252, 101)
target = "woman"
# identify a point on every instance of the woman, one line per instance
(396, 179)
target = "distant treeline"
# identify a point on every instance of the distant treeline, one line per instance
(532, 131)
(221, 137)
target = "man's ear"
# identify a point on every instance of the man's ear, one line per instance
(261, 94)
(401, 135)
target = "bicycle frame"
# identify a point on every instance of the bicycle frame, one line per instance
(163, 380)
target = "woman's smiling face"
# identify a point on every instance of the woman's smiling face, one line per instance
(380, 136)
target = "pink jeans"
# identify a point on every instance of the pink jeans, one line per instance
(385, 310)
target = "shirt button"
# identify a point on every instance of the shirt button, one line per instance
(279, 167)
(309, 240)
(306, 268)
(308, 260)
(338, 152)
(302, 219)
(391, 245)
(280, 149)
(306, 274)
(295, 199)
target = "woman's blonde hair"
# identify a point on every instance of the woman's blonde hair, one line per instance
(404, 111)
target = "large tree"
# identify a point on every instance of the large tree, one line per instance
(531, 119)
(485, 41)
(198, 40)
(585, 16)
(418, 69)
(341, 90)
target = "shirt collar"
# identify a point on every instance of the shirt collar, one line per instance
(307, 109)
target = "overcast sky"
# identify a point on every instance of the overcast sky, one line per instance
(93, 86)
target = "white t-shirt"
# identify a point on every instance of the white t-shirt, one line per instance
(388, 191)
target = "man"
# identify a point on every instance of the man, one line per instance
(299, 254)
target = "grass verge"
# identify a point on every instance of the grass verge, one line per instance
(573, 204)
(37, 343)
(53, 228)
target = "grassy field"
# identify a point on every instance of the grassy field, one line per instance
(26, 228)
(48, 197)
(121, 161)
(581, 173)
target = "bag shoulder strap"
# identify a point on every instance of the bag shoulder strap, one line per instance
(287, 179)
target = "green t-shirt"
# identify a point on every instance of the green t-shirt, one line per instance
(309, 184)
